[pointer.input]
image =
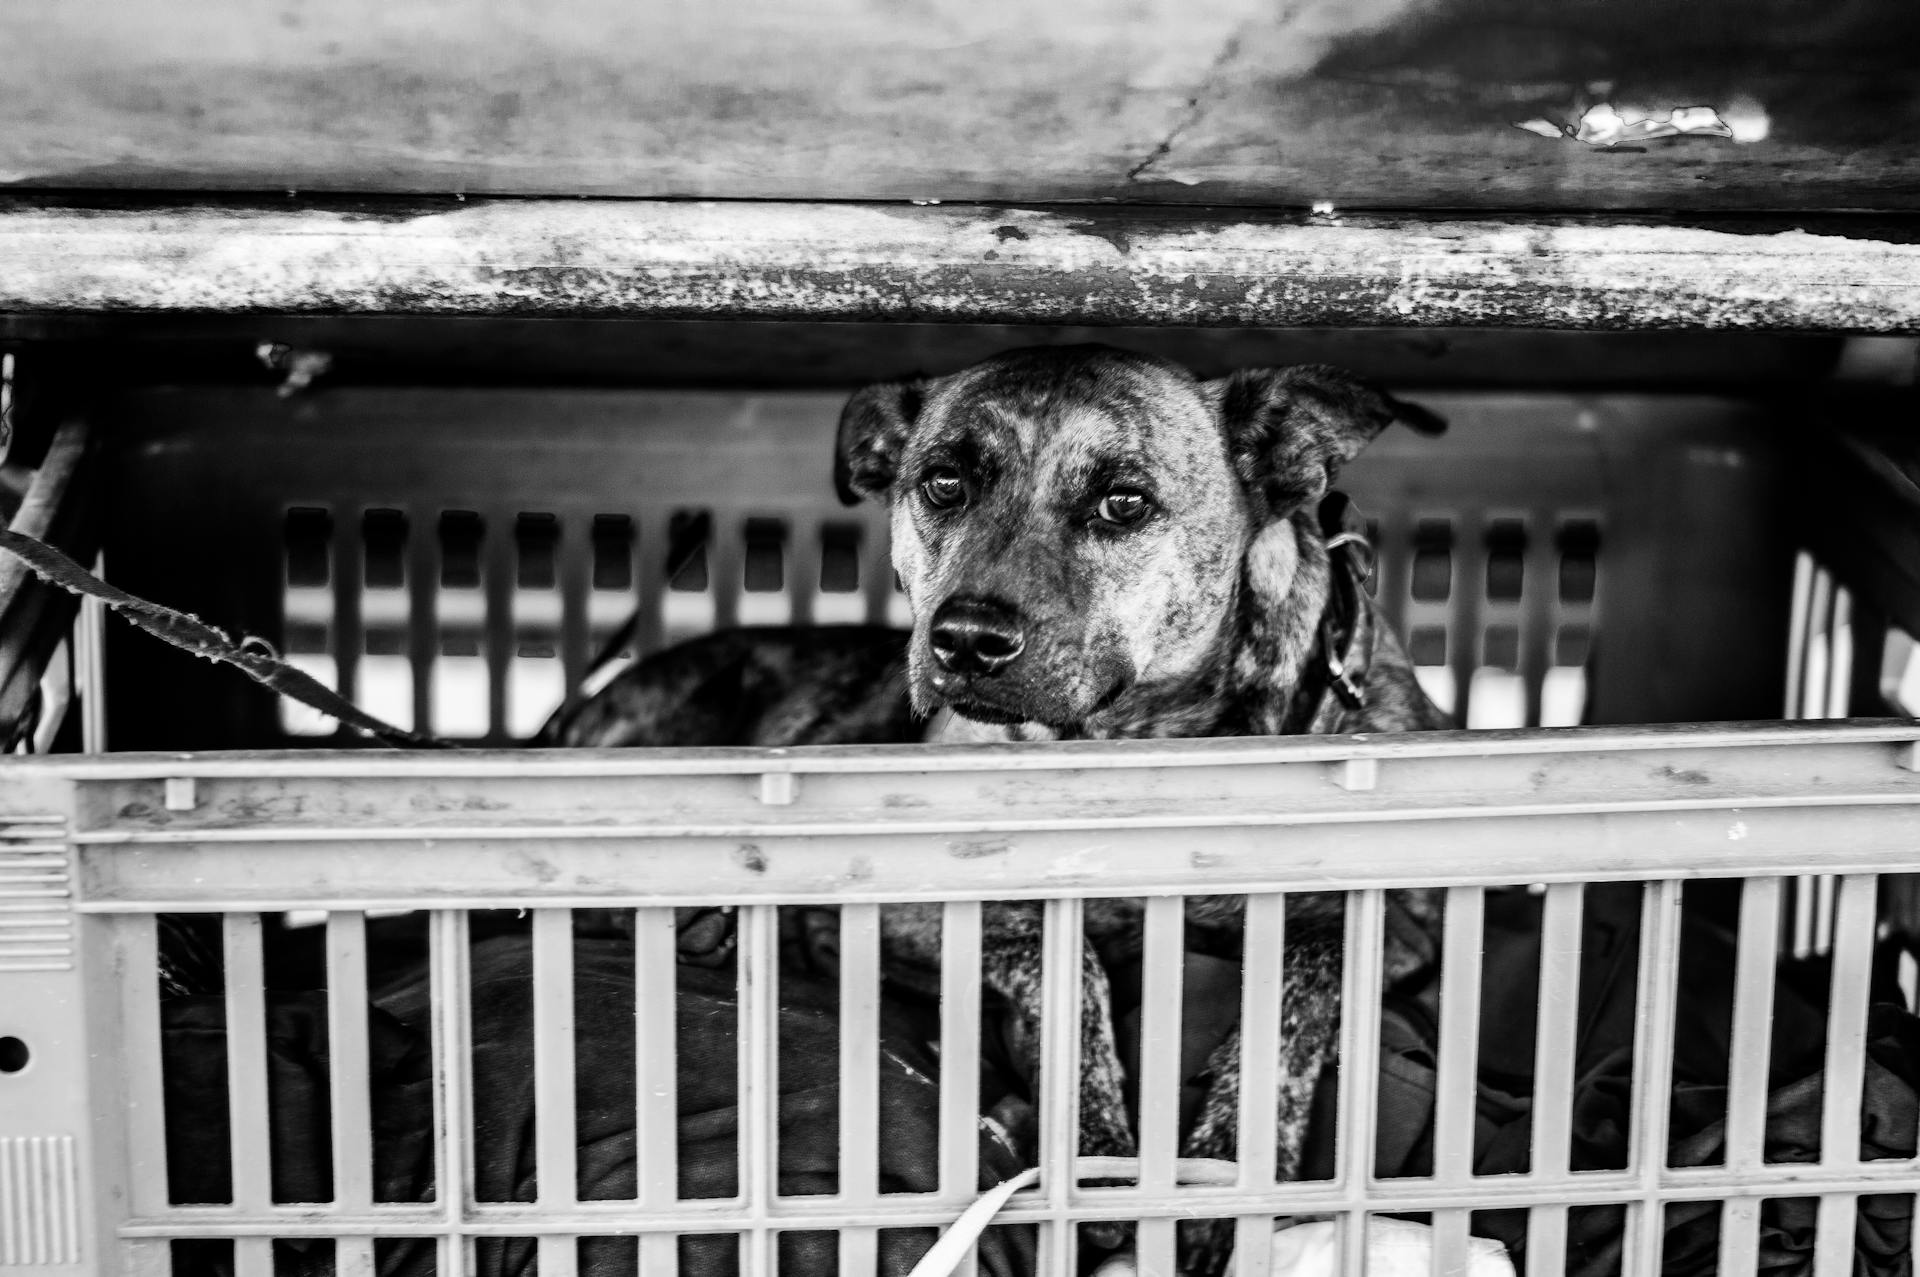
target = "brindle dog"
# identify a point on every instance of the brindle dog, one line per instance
(1095, 545)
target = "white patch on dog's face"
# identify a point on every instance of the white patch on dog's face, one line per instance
(1107, 610)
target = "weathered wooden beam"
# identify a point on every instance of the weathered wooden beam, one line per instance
(955, 263)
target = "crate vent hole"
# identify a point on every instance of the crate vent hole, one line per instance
(384, 679)
(307, 614)
(612, 540)
(689, 607)
(1432, 560)
(1506, 559)
(1579, 544)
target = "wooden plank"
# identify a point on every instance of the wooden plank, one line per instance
(949, 264)
(1394, 103)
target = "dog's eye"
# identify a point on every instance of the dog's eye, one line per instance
(943, 488)
(1124, 507)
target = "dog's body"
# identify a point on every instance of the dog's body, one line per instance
(1094, 544)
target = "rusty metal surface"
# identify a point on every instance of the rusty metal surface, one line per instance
(947, 264)
(1381, 104)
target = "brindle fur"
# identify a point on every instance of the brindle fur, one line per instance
(1199, 621)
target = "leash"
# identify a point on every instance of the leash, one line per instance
(252, 656)
(1345, 667)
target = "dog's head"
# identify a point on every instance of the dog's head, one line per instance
(1070, 524)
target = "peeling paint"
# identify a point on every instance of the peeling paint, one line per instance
(891, 262)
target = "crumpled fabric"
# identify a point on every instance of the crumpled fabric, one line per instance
(503, 1103)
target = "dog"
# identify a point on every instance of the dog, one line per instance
(1094, 544)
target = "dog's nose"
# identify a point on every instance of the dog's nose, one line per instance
(975, 636)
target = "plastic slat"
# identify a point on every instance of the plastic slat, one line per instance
(759, 957)
(1854, 928)
(137, 951)
(1253, 1246)
(1752, 1023)
(859, 1055)
(253, 1257)
(656, 1120)
(1797, 627)
(1359, 1055)
(1153, 1247)
(553, 1082)
(451, 975)
(1459, 1034)
(1449, 1258)
(1557, 1026)
(246, 1000)
(1654, 996)
(960, 1040)
(348, 1088)
(147, 1257)
(1546, 1241)
(1162, 968)
(859, 1251)
(1740, 1235)
(1833, 1247)
(1160, 1028)
(353, 1257)
(1059, 1078)
(1262, 972)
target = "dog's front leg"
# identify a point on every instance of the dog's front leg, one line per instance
(1011, 966)
(1309, 1023)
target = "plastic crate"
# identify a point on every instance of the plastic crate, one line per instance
(1555, 557)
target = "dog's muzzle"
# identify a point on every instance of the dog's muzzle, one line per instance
(974, 637)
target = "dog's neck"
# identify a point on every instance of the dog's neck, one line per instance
(1246, 688)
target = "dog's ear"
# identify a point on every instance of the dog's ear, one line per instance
(873, 427)
(1289, 430)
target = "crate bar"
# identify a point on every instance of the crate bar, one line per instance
(137, 972)
(656, 1141)
(353, 1257)
(1760, 912)
(1752, 1022)
(859, 1078)
(1557, 1026)
(1261, 982)
(960, 991)
(1162, 977)
(759, 1097)
(784, 260)
(1854, 934)
(349, 1095)
(555, 1142)
(1655, 996)
(1061, 975)
(1453, 1122)
(1043, 864)
(1547, 1241)
(1359, 1055)
(247, 1105)
(1449, 1257)
(253, 1257)
(451, 978)
(916, 1210)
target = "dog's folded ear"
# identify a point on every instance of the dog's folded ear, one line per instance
(1289, 430)
(873, 428)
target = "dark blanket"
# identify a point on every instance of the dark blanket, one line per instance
(708, 1017)
(1602, 1086)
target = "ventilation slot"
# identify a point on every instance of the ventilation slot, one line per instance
(385, 683)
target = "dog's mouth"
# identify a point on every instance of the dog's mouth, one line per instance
(970, 705)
